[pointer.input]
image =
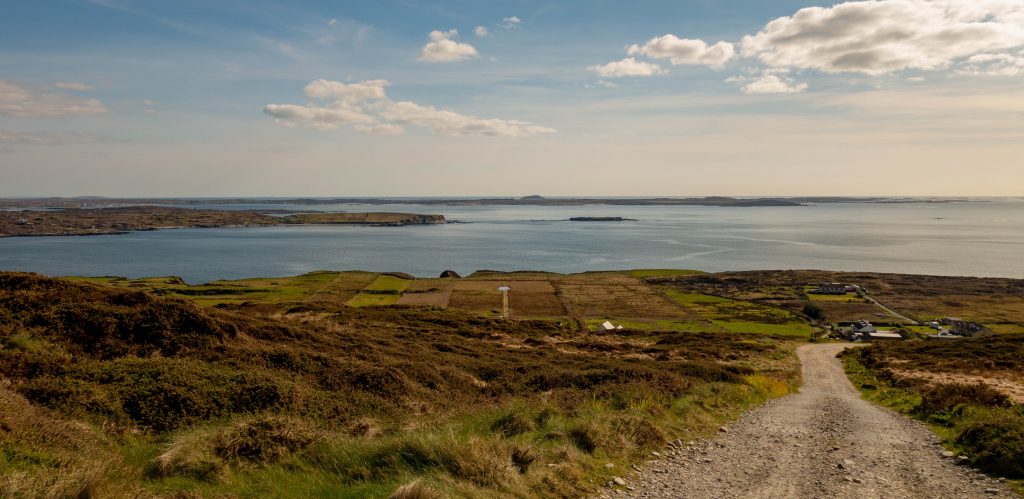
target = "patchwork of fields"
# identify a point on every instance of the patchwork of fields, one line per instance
(770, 302)
(585, 300)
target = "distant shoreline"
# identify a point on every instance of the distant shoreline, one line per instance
(721, 201)
(124, 220)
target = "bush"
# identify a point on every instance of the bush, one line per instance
(996, 443)
(949, 397)
(814, 312)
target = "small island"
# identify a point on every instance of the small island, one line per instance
(121, 220)
(601, 219)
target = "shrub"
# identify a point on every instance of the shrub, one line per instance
(996, 442)
(948, 397)
(814, 312)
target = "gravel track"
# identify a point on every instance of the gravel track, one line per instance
(825, 441)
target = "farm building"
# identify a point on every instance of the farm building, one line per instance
(879, 335)
(831, 288)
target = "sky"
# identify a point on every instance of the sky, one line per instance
(493, 98)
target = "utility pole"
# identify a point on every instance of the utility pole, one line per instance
(504, 301)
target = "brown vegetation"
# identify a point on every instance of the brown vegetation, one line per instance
(157, 393)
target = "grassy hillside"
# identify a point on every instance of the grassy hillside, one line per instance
(107, 389)
(968, 391)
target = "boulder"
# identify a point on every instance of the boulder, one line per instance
(450, 273)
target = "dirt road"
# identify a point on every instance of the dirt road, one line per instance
(822, 442)
(891, 311)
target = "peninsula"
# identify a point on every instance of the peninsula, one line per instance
(120, 220)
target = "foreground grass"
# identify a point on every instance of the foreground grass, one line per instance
(972, 420)
(117, 392)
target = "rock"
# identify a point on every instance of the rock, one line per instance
(723, 430)
(948, 454)
(656, 454)
(618, 481)
(450, 273)
(992, 491)
(858, 480)
(609, 465)
(846, 464)
(961, 460)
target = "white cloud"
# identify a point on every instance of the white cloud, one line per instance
(684, 51)
(332, 22)
(70, 85)
(347, 93)
(884, 36)
(20, 102)
(441, 48)
(994, 65)
(511, 22)
(459, 125)
(381, 129)
(481, 31)
(770, 84)
(627, 67)
(366, 106)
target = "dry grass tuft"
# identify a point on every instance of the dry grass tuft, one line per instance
(206, 454)
(512, 424)
(414, 490)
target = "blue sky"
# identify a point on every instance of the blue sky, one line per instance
(360, 98)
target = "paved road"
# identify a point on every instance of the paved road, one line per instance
(825, 441)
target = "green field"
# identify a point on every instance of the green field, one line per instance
(385, 290)
(641, 273)
(737, 316)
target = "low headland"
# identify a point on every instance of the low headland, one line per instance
(368, 384)
(121, 220)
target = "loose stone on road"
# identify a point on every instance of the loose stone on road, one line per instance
(825, 441)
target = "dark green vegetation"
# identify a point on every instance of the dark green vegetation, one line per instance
(108, 389)
(98, 221)
(964, 389)
(996, 303)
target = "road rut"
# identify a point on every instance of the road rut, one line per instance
(825, 441)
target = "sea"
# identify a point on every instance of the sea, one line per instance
(982, 238)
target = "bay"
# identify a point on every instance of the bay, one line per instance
(964, 239)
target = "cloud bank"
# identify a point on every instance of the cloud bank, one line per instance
(366, 107)
(879, 37)
(869, 37)
(17, 101)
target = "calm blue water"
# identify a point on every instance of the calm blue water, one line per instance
(980, 239)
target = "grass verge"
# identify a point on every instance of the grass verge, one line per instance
(972, 420)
